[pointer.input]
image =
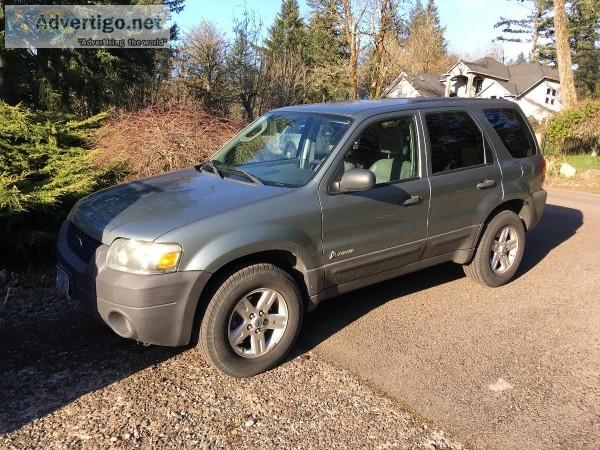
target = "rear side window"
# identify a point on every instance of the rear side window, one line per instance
(455, 142)
(512, 130)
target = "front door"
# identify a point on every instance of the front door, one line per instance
(369, 232)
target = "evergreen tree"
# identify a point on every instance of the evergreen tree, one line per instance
(530, 29)
(325, 54)
(287, 34)
(84, 81)
(584, 33)
(425, 45)
(284, 57)
(583, 30)
(521, 59)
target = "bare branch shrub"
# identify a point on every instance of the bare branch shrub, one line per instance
(159, 139)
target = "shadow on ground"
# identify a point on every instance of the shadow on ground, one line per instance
(46, 364)
(557, 225)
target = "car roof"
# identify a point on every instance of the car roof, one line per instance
(365, 108)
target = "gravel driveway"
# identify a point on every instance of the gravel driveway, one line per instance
(68, 382)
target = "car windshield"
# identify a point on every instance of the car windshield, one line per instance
(280, 149)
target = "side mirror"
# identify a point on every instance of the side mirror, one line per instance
(356, 180)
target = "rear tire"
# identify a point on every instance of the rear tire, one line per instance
(252, 321)
(499, 252)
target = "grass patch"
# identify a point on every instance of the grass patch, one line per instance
(582, 162)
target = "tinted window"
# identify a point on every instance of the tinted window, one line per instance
(455, 142)
(513, 132)
(388, 149)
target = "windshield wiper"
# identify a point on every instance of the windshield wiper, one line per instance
(212, 167)
(242, 173)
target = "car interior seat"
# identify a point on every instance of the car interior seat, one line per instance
(396, 164)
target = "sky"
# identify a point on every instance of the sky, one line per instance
(469, 23)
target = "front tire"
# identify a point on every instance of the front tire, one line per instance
(252, 321)
(499, 252)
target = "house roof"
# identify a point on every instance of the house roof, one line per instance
(489, 66)
(427, 85)
(526, 76)
(424, 84)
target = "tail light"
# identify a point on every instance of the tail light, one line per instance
(543, 170)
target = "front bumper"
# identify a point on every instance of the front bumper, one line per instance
(154, 309)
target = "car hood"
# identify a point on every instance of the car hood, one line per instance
(147, 208)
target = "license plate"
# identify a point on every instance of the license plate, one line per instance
(62, 281)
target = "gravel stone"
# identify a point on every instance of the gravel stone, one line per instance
(69, 382)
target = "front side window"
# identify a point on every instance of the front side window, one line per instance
(388, 149)
(512, 130)
(455, 142)
(281, 149)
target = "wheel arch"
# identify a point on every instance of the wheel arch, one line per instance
(286, 260)
(520, 206)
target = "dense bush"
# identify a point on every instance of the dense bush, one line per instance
(575, 130)
(44, 169)
(159, 139)
(49, 161)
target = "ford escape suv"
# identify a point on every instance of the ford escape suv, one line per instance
(306, 203)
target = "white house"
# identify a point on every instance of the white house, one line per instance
(536, 88)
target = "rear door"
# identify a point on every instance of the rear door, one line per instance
(369, 232)
(465, 178)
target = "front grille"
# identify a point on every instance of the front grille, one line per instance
(81, 244)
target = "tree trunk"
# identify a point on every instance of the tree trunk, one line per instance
(2, 83)
(351, 23)
(384, 25)
(536, 31)
(2, 60)
(353, 73)
(563, 55)
(247, 104)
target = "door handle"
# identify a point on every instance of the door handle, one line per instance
(486, 184)
(412, 200)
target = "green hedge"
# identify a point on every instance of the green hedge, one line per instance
(44, 169)
(575, 130)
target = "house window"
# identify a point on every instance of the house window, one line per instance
(550, 96)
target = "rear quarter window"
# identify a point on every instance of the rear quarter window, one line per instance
(512, 130)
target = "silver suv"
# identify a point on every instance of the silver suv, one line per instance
(306, 203)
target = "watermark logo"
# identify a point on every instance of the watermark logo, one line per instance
(82, 26)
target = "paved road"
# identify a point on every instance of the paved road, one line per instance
(512, 367)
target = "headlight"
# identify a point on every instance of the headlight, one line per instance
(129, 255)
